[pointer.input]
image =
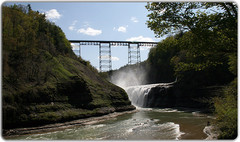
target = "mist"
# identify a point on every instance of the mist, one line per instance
(129, 76)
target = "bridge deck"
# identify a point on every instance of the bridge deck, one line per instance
(105, 59)
(114, 43)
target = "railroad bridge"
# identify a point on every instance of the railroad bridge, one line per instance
(105, 58)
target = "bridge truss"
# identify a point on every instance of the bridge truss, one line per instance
(105, 57)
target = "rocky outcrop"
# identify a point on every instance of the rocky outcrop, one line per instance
(161, 96)
(212, 132)
(170, 95)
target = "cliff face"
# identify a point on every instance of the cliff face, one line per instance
(177, 96)
(42, 79)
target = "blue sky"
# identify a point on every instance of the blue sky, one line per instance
(118, 21)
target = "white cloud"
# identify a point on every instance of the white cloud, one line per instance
(115, 59)
(52, 14)
(143, 39)
(86, 24)
(74, 22)
(140, 38)
(104, 57)
(107, 57)
(121, 29)
(72, 26)
(90, 31)
(134, 19)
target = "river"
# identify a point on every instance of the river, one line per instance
(145, 124)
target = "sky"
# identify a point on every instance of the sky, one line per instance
(111, 21)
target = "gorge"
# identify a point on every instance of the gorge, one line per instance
(44, 83)
(144, 124)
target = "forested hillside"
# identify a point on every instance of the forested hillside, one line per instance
(43, 81)
(201, 53)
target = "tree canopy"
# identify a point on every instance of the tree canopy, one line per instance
(210, 31)
(175, 17)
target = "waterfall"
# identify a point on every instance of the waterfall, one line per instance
(144, 95)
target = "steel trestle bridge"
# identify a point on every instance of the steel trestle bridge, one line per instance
(105, 58)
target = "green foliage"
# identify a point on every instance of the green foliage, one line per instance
(29, 39)
(211, 35)
(205, 51)
(167, 17)
(106, 75)
(43, 80)
(226, 111)
(59, 116)
(174, 17)
(208, 42)
(159, 59)
(233, 63)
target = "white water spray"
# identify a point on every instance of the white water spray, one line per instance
(138, 95)
(132, 80)
(129, 77)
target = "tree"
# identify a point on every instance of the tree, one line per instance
(211, 28)
(207, 50)
(174, 17)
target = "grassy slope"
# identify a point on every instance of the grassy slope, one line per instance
(73, 90)
(43, 81)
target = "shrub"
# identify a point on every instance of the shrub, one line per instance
(226, 111)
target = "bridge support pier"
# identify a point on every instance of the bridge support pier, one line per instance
(79, 50)
(105, 58)
(133, 53)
